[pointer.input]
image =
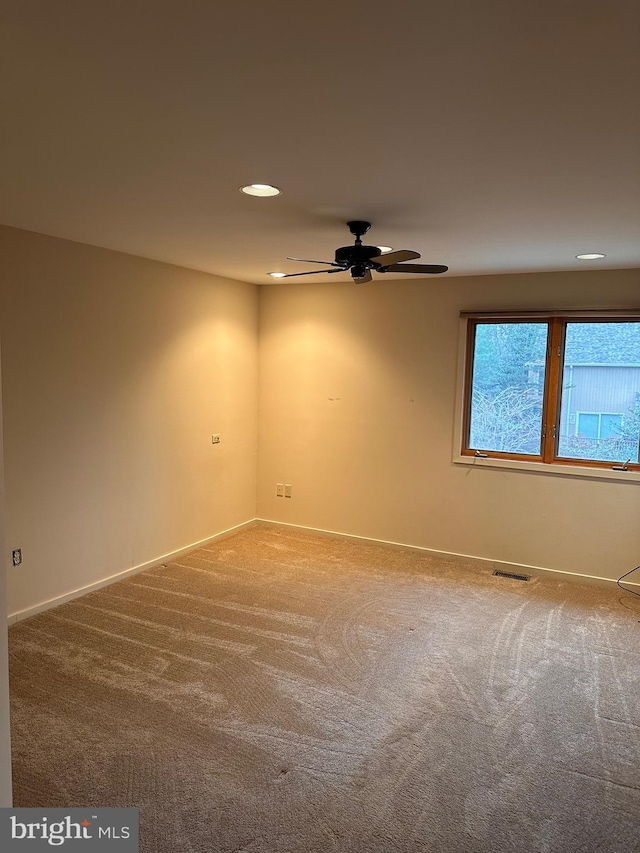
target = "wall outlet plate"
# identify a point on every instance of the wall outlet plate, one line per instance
(279, 490)
(215, 438)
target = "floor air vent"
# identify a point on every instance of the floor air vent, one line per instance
(511, 575)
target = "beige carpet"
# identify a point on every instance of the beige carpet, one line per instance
(281, 691)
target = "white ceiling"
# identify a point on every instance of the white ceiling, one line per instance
(494, 136)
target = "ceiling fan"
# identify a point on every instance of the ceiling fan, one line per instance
(361, 260)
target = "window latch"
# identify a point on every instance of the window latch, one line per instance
(481, 455)
(623, 467)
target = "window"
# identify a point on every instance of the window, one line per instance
(553, 389)
(598, 425)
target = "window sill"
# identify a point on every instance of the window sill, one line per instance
(549, 468)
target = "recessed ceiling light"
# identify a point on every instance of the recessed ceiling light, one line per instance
(590, 256)
(385, 249)
(260, 190)
(277, 274)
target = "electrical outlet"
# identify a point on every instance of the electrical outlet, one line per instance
(17, 556)
(279, 490)
(287, 490)
(215, 439)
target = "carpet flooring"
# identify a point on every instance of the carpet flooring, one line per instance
(280, 691)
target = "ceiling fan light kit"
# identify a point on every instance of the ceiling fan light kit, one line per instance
(361, 260)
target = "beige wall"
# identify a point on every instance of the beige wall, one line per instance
(5, 735)
(116, 372)
(357, 398)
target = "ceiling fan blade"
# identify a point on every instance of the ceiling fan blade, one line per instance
(306, 261)
(312, 272)
(430, 269)
(396, 257)
(363, 279)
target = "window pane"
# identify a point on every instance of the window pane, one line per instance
(600, 406)
(507, 387)
(588, 425)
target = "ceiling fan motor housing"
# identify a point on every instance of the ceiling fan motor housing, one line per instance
(356, 254)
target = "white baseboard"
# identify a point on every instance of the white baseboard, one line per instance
(158, 561)
(486, 562)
